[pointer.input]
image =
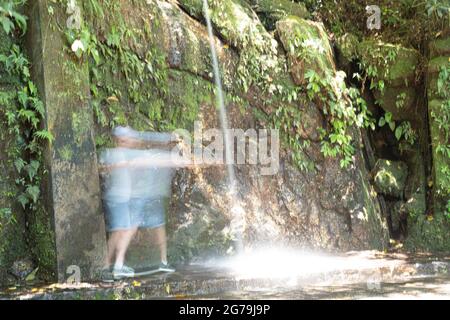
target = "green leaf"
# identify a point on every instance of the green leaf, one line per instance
(44, 135)
(96, 56)
(388, 117)
(398, 133)
(7, 24)
(32, 275)
(19, 164)
(23, 200)
(392, 125)
(33, 193)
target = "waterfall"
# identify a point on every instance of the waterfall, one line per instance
(237, 211)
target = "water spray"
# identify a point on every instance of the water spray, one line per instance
(238, 214)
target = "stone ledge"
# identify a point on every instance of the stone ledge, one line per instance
(202, 281)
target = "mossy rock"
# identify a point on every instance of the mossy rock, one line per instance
(390, 96)
(193, 7)
(434, 67)
(347, 46)
(307, 46)
(441, 163)
(395, 66)
(398, 63)
(390, 177)
(271, 11)
(428, 233)
(198, 231)
(416, 204)
(440, 47)
(435, 64)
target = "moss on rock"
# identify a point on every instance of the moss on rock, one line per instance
(434, 67)
(395, 64)
(271, 11)
(441, 162)
(347, 46)
(392, 70)
(428, 233)
(390, 177)
(440, 47)
(307, 46)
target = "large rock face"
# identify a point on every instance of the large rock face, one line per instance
(325, 208)
(147, 64)
(433, 232)
(416, 192)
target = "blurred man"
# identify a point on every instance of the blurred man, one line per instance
(117, 185)
(151, 178)
(136, 188)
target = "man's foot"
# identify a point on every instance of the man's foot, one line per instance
(124, 272)
(107, 275)
(165, 267)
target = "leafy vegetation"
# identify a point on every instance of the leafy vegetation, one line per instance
(441, 116)
(23, 111)
(10, 18)
(128, 86)
(406, 22)
(343, 114)
(24, 138)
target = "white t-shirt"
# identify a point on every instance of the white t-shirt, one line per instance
(117, 181)
(154, 180)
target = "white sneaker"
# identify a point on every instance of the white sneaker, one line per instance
(165, 267)
(124, 272)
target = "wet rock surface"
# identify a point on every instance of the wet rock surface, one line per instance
(355, 275)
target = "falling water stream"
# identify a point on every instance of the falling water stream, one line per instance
(237, 215)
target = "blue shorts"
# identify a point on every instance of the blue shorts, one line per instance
(148, 213)
(137, 213)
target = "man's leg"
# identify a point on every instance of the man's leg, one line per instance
(161, 242)
(124, 239)
(114, 237)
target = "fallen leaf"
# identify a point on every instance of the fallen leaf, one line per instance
(136, 283)
(112, 99)
(32, 275)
